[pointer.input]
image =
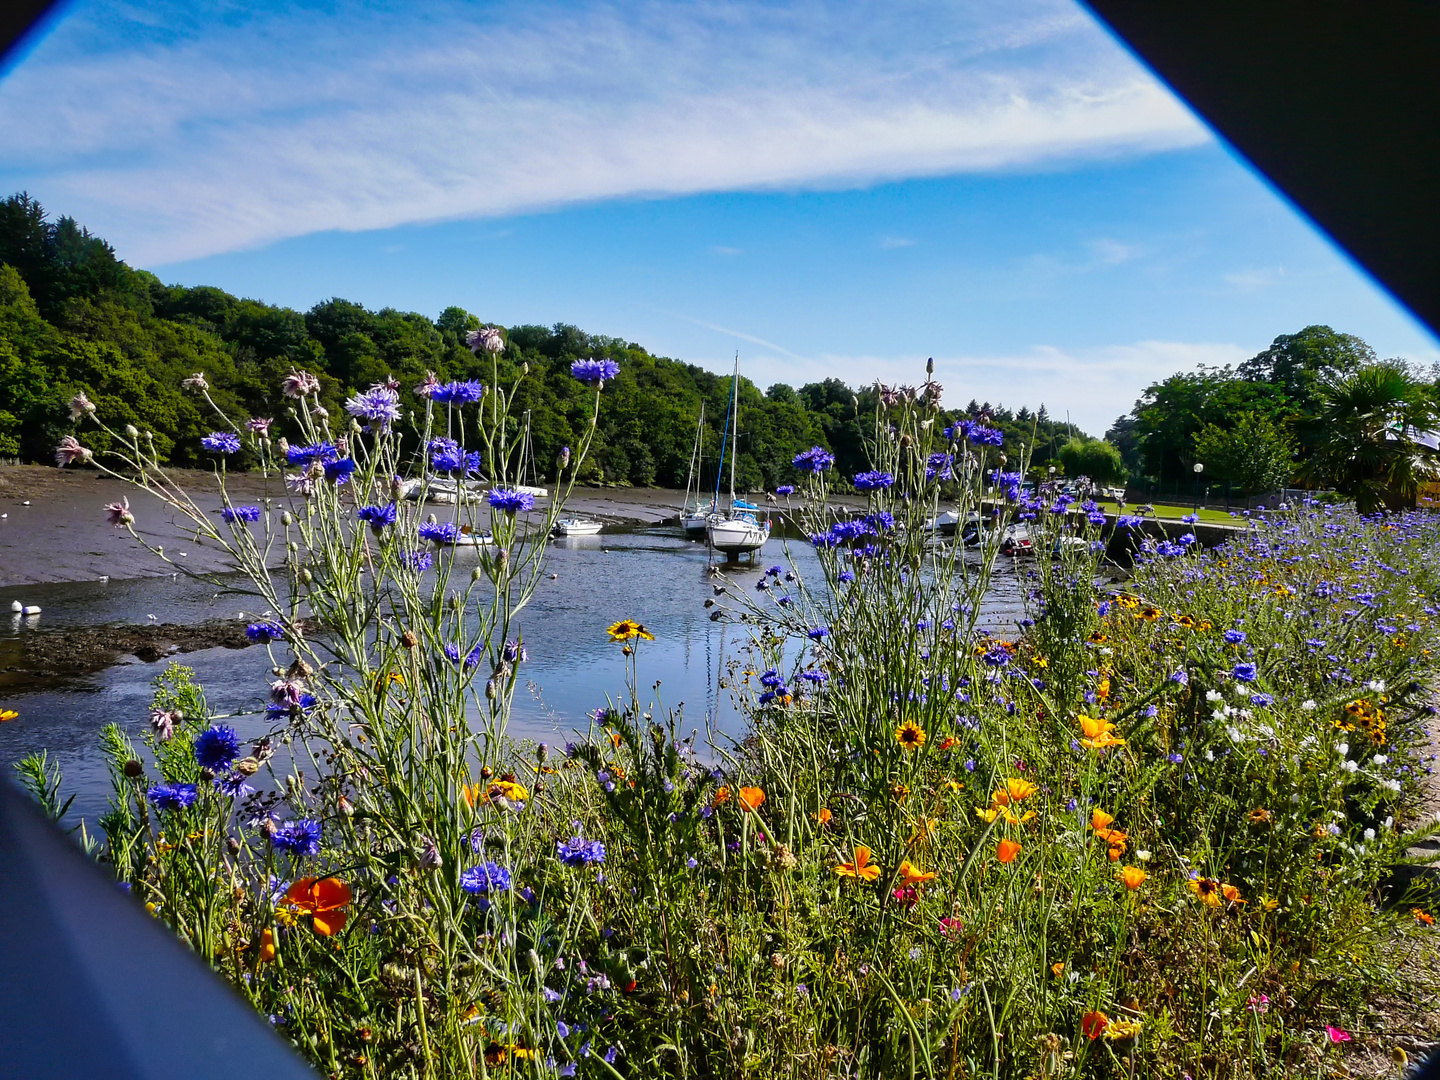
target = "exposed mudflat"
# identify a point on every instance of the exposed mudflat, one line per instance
(59, 654)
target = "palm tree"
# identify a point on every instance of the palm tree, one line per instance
(1362, 440)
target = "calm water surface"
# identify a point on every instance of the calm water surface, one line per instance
(652, 575)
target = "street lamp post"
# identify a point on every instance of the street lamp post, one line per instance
(1199, 468)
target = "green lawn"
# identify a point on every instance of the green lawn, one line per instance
(1166, 511)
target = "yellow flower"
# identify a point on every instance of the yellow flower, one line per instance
(862, 869)
(1098, 733)
(987, 814)
(1014, 790)
(910, 735)
(7, 714)
(626, 629)
(1121, 1029)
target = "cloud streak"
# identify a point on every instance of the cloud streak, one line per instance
(241, 131)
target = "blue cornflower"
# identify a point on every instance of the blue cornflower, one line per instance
(577, 851)
(377, 517)
(216, 747)
(264, 632)
(814, 460)
(817, 677)
(873, 481)
(998, 656)
(846, 576)
(515, 652)
(486, 878)
(785, 489)
(299, 837)
(304, 455)
(418, 561)
(340, 470)
(439, 532)
(452, 653)
(1175, 758)
(1182, 677)
(594, 372)
(466, 392)
(1244, 672)
(221, 442)
(509, 502)
(232, 785)
(1261, 700)
(820, 633)
(379, 406)
(1190, 519)
(240, 513)
(172, 796)
(1235, 637)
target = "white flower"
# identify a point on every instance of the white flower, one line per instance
(1210, 756)
(1389, 821)
(1377, 685)
(1234, 734)
(1354, 766)
(1309, 740)
(1143, 856)
(1342, 748)
(1393, 785)
(1369, 834)
(1213, 695)
(1380, 759)
(1219, 715)
(1308, 705)
(1295, 797)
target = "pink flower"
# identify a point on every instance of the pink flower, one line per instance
(299, 383)
(1259, 1004)
(195, 382)
(69, 451)
(429, 386)
(951, 925)
(487, 338)
(259, 425)
(119, 513)
(79, 406)
(1337, 1035)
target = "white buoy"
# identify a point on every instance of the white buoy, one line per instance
(150, 617)
(31, 609)
(25, 503)
(16, 606)
(104, 577)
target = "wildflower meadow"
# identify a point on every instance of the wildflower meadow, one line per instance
(1151, 830)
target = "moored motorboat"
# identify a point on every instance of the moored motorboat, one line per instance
(1017, 541)
(575, 526)
(739, 534)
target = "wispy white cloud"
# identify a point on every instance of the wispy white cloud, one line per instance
(1253, 279)
(1091, 386)
(891, 243)
(182, 138)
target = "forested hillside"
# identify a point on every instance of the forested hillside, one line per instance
(75, 317)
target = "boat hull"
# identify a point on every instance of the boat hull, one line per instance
(736, 536)
(577, 528)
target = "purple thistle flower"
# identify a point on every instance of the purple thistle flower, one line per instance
(486, 339)
(298, 384)
(379, 407)
(69, 451)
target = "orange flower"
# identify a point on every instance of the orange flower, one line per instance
(722, 795)
(1013, 791)
(614, 737)
(862, 869)
(1424, 918)
(1006, 851)
(325, 899)
(1093, 1023)
(1116, 838)
(1098, 732)
(267, 945)
(1133, 877)
(823, 815)
(909, 874)
(1231, 894)
(752, 797)
(1057, 969)
(7, 715)
(1099, 819)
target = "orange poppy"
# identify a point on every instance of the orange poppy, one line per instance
(1058, 968)
(823, 815)
(1006, 851)
(267, 945)
(1013, 791)
(722, 795)
(1093, 1023)
(862, 869)
(1099, 819)
(1098, 732)
(1424, 918)
(1133, 877)
(752, 797)
(325, 899)
(910, 874)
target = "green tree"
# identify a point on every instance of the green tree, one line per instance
(1361, 436)
(1255, 454)
(1093, 458)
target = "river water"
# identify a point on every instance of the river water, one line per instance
(650, 574)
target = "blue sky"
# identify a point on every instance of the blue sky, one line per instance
(828, 188)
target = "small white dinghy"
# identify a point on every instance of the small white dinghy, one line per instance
(575, 526)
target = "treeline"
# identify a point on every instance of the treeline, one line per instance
(75, 317)
(1313, 408)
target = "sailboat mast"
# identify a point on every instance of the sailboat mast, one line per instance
(725, 440)
(735, 427)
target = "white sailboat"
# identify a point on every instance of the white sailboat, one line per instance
(744, 528)
(695, 513)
